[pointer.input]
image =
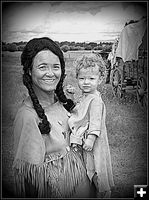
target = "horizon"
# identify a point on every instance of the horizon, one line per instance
(104, 41)
(68, 21)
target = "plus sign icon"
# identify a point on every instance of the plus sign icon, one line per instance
(141, 192)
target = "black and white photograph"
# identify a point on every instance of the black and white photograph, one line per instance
(74, 99)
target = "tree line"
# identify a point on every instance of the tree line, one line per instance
(65, 46)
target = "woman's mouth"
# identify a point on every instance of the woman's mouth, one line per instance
(48, 80)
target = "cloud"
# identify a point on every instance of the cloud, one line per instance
(70, 7)
(24, 15)
(65, 20)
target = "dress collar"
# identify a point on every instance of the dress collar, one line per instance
(28, 102)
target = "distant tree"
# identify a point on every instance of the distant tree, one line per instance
(107, 48)
(4, 47)
(71, 48)
(99, 47)
(20, 43)
(21, 47)
(65, 48)
(72, 43)
(88, 47)
(79, 48)
(64, 43)
(79, 44)
(76, 48)
(3, 43)
(12, 47)
(93, 44)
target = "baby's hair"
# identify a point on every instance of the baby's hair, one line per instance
(30, 51)
(89, 60)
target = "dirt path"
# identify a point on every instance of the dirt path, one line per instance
(127, 133)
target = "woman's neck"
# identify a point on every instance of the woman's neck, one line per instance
(45, 98)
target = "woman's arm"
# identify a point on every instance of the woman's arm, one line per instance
(29, 153)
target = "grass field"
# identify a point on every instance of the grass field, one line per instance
(126, 124)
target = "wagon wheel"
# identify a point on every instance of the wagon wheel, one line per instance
(142, 91)
(116, 81)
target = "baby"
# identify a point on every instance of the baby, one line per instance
(87, 124)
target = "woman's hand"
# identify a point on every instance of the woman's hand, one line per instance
(89, 142)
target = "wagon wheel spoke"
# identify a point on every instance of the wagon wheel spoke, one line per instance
(142, 92)
(117, 83)
(119, 91)
(142, 101)
(115, 91)
(114, 83)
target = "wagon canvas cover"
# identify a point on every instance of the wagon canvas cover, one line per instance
(130, 40)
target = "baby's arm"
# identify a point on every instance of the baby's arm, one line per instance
(94, 131)
(89, 142)
(77, 135)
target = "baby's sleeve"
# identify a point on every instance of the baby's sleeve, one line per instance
(95, 117)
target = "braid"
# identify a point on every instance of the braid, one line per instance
(44, 126)
(67, 103)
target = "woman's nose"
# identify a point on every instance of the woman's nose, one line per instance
(49, 72)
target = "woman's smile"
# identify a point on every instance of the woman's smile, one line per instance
(48, 80)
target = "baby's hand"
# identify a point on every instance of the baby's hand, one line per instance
(89, 143)
(69, 91)
(74, 145)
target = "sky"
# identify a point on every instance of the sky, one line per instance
(85, 21)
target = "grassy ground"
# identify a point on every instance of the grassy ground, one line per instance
(126, 125)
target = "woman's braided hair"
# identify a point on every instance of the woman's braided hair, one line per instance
(30, 50)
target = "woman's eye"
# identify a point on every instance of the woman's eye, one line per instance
(56, 66)
(42, 67)
(91, 78)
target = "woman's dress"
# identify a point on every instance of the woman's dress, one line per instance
(58, 173)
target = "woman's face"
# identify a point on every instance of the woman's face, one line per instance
(46, 70)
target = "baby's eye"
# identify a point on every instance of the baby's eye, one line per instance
(92, 78)
(81, 78)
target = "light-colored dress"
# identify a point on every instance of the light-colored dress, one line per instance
(60, 173)
(90, 112)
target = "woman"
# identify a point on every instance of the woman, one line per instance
(44, 164)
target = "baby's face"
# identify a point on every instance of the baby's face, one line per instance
(88, 79)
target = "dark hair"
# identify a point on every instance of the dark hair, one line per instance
(30, 50)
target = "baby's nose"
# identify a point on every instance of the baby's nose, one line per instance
(86, 80)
